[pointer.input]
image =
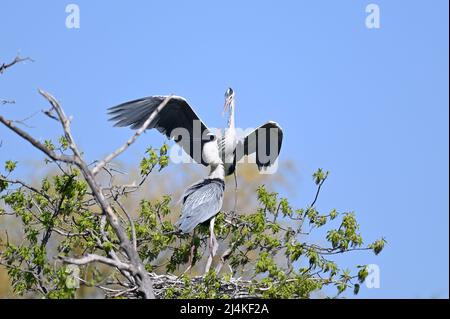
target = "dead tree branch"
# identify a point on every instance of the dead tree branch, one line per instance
(3, 102)
(90, 258)
(17, 59)
(37, 144)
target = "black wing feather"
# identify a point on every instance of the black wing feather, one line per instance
(265, 141)
(176, 114)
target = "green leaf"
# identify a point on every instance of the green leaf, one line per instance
(363, 273)
(49, 144)
(356, 289)
(3, 184)
(319, 176)
(63, 143)
(10, 166)
(333, 214)
(378, 246)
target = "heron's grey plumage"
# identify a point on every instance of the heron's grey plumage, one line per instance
(201, 202)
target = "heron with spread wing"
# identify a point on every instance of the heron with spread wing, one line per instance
(203, 200)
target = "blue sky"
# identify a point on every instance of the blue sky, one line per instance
(370, 105)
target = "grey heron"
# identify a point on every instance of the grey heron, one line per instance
(203, 200)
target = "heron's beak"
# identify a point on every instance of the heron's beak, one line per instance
(227, 104)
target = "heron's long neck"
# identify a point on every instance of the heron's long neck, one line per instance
(217, 171)
(231, 116)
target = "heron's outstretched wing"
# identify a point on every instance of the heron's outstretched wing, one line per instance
(176, 120)
(265, 141)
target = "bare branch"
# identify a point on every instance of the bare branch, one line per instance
(121, 149)
(90, 258)
(18, 59)
(49, 114)
(23, 121)
(63, 158)
(3, 102)
(64, 122)
(27, 186)
(130, 220)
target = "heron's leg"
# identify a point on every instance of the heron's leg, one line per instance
(223, 259)
(191, 254)
(235, 192)
(212, 243)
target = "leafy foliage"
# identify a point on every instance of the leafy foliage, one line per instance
(268, 248)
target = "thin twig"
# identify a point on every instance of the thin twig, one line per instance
(18, 59)
(121, 149)
(130, 220)
(63, 158)
(3, 102)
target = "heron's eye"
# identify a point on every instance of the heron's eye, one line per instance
(212, 138)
